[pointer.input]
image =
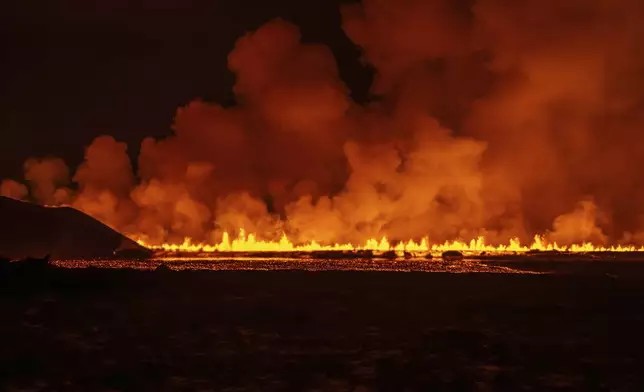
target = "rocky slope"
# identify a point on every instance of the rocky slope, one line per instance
(65, 233)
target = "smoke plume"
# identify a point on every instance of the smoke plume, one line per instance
(490, 117)
(47, 178)
(13, 189)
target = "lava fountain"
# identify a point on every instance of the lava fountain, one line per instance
(249, 243)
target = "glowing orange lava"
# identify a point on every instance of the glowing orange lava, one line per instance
(250, 243)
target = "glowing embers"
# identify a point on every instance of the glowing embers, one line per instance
(249, 243)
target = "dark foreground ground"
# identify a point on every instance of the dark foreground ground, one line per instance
(127, 330)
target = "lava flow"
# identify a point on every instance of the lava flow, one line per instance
(249, 243)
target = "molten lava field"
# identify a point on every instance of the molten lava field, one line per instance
(575, 263)
(275, 263)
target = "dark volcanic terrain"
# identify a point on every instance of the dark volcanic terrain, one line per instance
(30, 230)
(96, 329)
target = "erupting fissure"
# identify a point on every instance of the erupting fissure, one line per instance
(482, 118)
(249, 243)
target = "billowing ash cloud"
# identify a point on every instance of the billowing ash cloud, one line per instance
(13, 189)
(491, 117)
(45, 176)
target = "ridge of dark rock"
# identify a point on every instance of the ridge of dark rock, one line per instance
(30, 230)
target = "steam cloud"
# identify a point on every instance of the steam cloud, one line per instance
(491, 117)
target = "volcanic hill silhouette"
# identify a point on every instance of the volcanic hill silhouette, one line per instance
(30, 230)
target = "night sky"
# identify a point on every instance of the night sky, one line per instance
(73, 70)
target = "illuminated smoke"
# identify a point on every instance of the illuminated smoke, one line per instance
(490, 117)
(578, 226)
(104, 182)
(13, 189)
(47, 178)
